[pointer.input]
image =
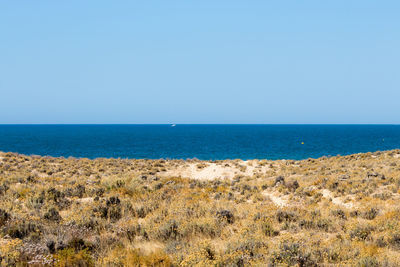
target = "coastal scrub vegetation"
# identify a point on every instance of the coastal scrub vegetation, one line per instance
(341, 210)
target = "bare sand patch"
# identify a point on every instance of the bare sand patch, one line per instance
(85, 200)
(280, 201)
(336, 200)
(214, 170)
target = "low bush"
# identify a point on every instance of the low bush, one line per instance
(71, 258)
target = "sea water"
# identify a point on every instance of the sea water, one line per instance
(208, 142)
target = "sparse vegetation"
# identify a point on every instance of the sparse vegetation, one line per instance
(119, 212)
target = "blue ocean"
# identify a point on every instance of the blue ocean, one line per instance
(207, 142)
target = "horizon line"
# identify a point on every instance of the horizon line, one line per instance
(60, 124)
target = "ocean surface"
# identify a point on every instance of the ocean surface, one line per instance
(208, 142)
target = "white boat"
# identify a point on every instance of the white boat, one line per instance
(173, 125)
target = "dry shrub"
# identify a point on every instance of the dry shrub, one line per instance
(135, 257)
(71, 258)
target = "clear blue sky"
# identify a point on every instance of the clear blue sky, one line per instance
(200, 61)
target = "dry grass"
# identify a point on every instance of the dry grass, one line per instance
(118, 212)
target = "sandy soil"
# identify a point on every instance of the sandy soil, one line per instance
(215, 170)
